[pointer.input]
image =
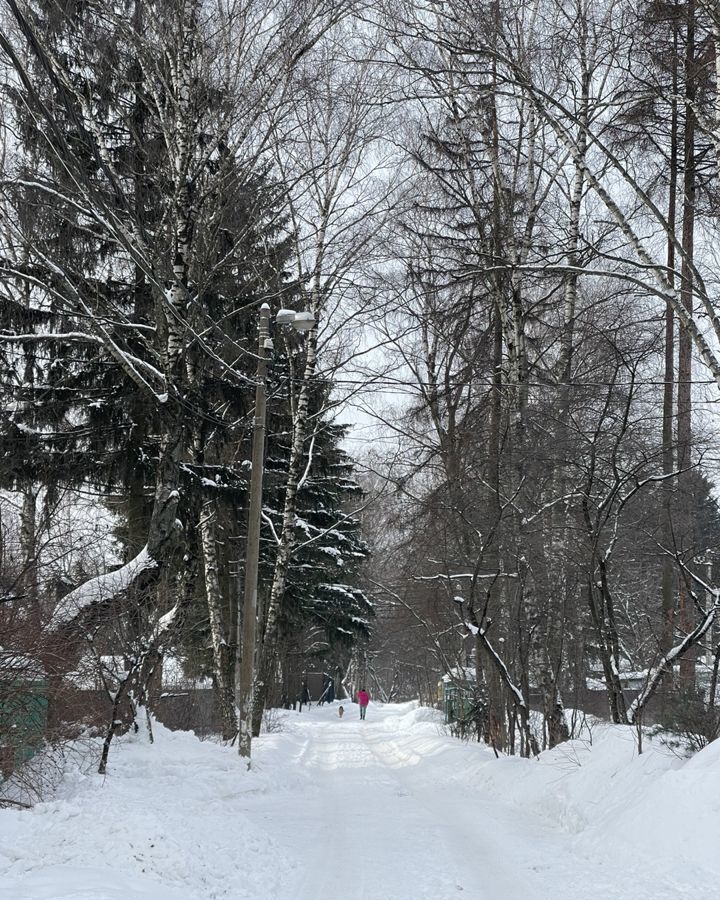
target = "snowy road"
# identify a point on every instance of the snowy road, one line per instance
(394, 815)
(386, 809)
(376, 827)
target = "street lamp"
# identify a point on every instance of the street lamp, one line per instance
(245, 672)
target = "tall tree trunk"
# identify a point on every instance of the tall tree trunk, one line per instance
(668, 581)
(223, 657)
(487, 675)
(505, 331)
(28, 551)
(558, 599)
(137, 503)
(28, 512)
(684, 402)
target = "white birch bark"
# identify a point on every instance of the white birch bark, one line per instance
(222, 654)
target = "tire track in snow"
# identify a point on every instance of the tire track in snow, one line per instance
(372, 835)
(393, 817)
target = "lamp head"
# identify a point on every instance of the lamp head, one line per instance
(285, 317)
(304, 320)
(300, 321)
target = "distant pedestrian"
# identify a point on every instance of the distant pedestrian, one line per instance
(363, 699)
(304, 697)
(341, 711)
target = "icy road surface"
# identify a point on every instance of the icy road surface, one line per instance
(386, 809)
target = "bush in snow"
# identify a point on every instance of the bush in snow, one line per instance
(689, 723)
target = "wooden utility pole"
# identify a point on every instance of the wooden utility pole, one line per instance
(247, 617)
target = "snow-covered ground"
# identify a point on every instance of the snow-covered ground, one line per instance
(386, 809)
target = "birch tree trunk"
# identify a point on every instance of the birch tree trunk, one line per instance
(684, 400)
(559, 601)
(223, 656)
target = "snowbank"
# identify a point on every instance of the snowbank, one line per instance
(165, 825)
(651, 812)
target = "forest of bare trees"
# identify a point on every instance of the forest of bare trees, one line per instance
(502, 218)
(552, 309)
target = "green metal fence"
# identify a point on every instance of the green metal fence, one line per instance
(23, 713)
(458, 703)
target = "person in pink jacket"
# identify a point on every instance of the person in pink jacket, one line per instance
(363, 699)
